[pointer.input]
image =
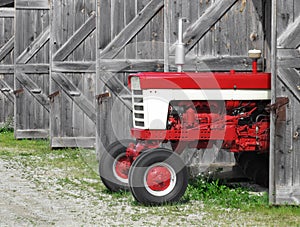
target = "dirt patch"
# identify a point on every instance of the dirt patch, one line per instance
(35, 196)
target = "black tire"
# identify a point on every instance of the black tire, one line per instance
(255, 166)
(158, 165)
(113, 166)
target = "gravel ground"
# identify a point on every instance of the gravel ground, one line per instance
(34, 197)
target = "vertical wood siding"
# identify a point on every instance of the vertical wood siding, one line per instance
(286, 169)
(73, 56)
(31, 69)
(6, 64)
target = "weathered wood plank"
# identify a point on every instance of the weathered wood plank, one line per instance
(290, 78)
(194, 63)
(34, 47)
(197, 30)
(6, 2)
(290, 38)
(33, 89)
(31, 134)
(33, 68)
(7, 48)
(81, 142)
(75, 94)
(32, 4)
(6, 90)
(116, 86)
(75, 67)
(288, 194)
(288, 53)
(291, 62)
(131, 30)
(77, 38)
(7, 69)
(7, 12)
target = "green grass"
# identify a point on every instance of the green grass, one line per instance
(77, 168)
(217, 193)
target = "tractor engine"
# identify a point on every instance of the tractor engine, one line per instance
(244, 124)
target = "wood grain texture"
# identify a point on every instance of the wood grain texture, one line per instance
(131, 30)
(78, 37)
(199, 28)
(75, 94)
(290, 37)
(285, 164)
(32, 70)
(32, 4)
(7, 12)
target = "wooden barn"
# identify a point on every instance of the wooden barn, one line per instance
(64, 66)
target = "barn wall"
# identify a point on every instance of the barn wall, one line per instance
(31, 82)
(285, 180)
(72, 79)
(136, 36)
(6, 64)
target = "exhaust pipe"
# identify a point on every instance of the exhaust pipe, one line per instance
(179, 51)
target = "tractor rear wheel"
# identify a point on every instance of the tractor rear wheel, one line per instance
(114, 166)
(255, 166)
(158, 176)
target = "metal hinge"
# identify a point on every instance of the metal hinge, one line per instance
(280, 108)
(102, 97)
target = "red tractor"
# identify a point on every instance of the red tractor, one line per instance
(189, 110)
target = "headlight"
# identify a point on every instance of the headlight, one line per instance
(135, 83)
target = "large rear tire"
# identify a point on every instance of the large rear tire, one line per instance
(158, 176)
(255, 166)
(114, 166)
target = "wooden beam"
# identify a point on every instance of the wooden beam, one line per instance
(132, 29)
(34, 47)
(32, 134)
(7, 69)
(197, 30)
(116, 86)
(75, 94)
(290, 38)
(7, 48)
(32, 4)
(33, 89)
(6, 2)
(33, 68)
(290, 78)
(82, 142)
(76, 39)
(193, 63)
(7, 92)
(7, 12)
(74, 67)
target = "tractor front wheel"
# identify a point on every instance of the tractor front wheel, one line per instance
(158, 176)
(114, 166)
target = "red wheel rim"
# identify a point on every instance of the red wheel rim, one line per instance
(121, 168)
(160, 179)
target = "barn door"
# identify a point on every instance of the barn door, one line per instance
(286, 169)
(6, 64)
(31, 69)
(72, 93)
(130, 39)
